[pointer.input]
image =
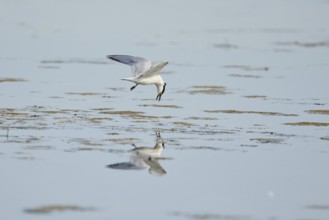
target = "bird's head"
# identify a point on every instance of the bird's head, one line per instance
(161, 91)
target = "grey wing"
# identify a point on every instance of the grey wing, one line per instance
(155, 69)
(138, 65)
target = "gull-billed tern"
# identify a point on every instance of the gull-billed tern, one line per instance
(144, 72)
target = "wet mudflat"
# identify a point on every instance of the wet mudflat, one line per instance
(242, 131)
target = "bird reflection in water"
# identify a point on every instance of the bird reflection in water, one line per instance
(144, 157)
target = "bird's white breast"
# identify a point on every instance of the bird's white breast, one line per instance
(156, 79)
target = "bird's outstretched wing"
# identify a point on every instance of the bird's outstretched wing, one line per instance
(138, 65)
(154, 70)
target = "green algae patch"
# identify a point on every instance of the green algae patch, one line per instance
(135, 115)
(319, 111)
(103, 109)
(200, 118)
(85, 93)
(51, 112)
(2, 80)
(208, 90)
(245, 75)
(123, 141)
(100, 119)
(250, 112)
(73, 61)
(268, 140)
(87, 142)
(39, 147)
(181, 123)
(225, 46)
(57, 208)
(308, 123)
(125, 113)
(210, 216)
(318, 207)
(208, 87)
(313, 44)
(130, 114)
(255, 97)
(247, 68)
(160, 106)
(12, 112)
(325, 138)
(61, 111)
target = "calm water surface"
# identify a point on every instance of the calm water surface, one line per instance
(244, 119)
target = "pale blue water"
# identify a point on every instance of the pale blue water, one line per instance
(56, 152)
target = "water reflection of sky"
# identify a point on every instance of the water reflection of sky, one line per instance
(266, 57)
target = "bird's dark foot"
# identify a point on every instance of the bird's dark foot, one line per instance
(132, 88)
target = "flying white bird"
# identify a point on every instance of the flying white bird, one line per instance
(143, 71)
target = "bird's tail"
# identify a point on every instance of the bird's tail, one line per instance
(130, 79)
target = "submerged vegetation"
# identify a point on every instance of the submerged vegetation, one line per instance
(2, 80)
(250, 112)
(57, 208)
(308, 123)
(209, 90)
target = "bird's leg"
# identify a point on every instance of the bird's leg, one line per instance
(158, 97)
(133, 87)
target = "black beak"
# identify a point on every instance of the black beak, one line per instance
(160, 94)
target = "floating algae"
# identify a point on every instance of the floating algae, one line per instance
(86, 142)
(100, 119)
(123, 141)
(319, 111)
(12, 80)
(249, 112)
(245, 76)
(124, 113)
(209, 90)
(200, 118)
(255, 97)
(225, 46)
(134, 115)
(74, 61)
(57, 208)
(247, 68)
(308, 123)
(318, 207)
(183, 123)
(304, 44)
(39, 147)
(161, 106)
(85, 93)
(267, 140)
(325, 138)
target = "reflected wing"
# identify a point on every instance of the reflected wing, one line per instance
(155, 167)
(138, 65)
(124, 166)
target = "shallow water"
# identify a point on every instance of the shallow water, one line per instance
(244, 118)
